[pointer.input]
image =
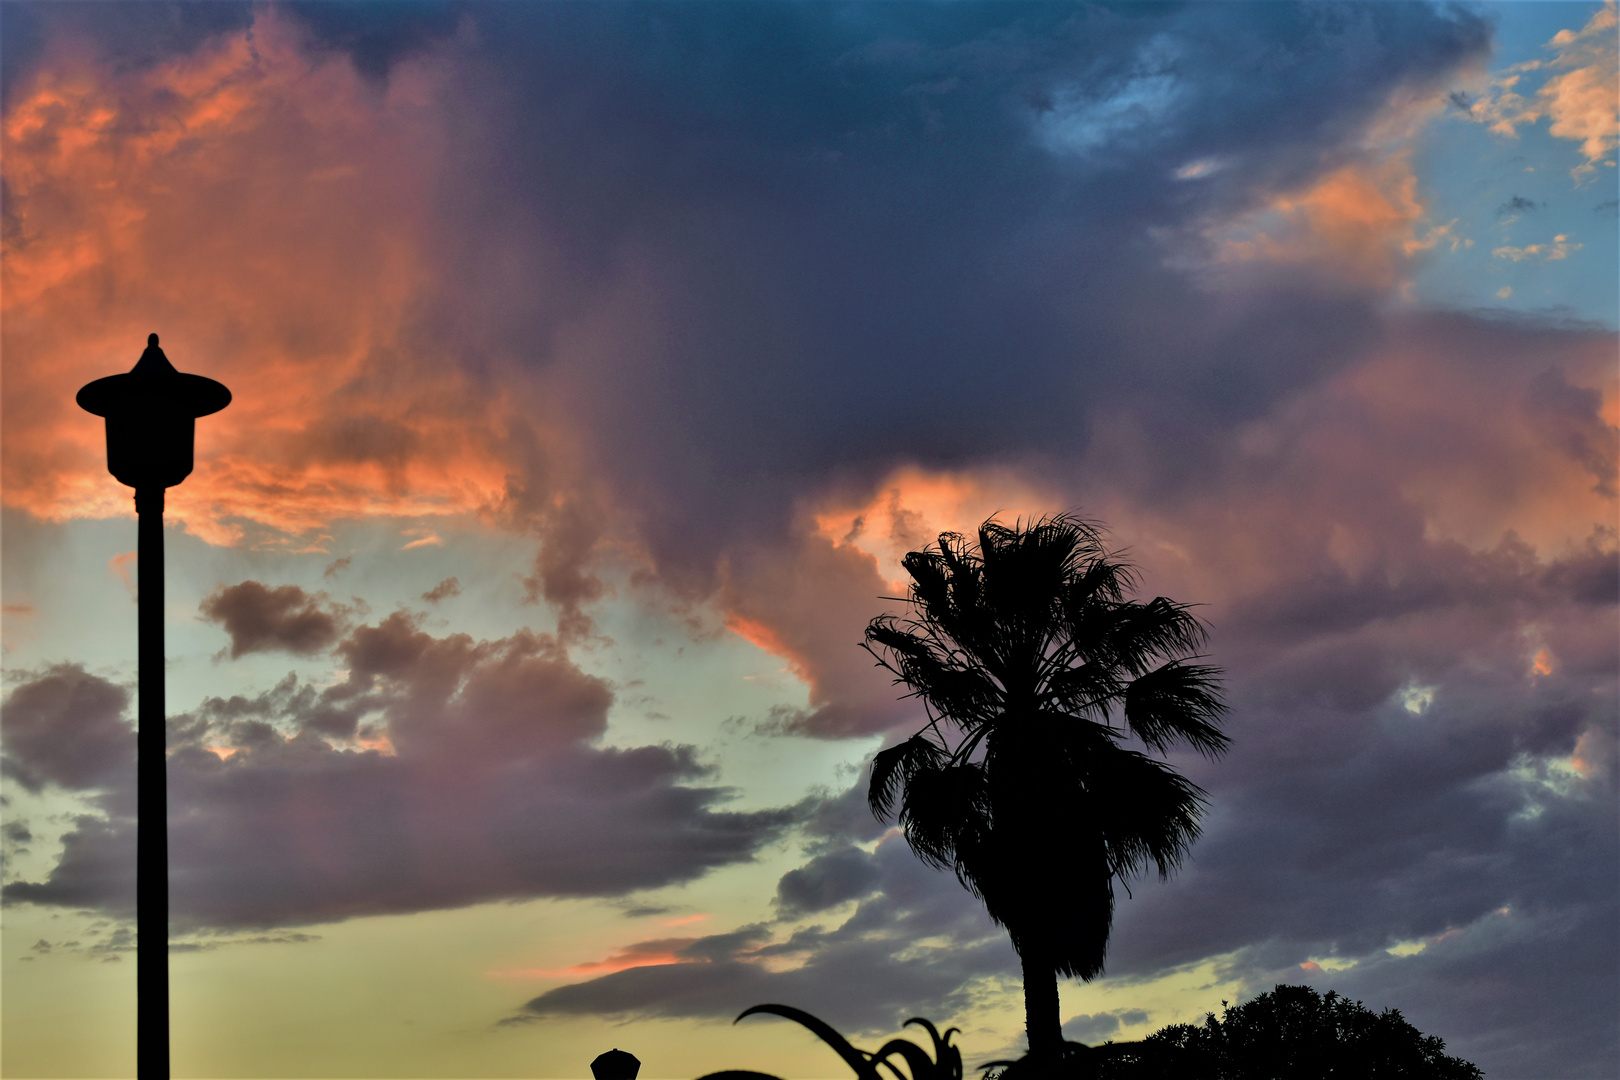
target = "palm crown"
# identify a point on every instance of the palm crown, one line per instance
(1035, 671)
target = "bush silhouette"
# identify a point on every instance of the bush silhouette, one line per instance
(1294, 1033)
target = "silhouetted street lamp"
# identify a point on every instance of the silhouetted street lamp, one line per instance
(151, 413)
(616, 1064)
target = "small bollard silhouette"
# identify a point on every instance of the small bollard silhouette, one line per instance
(616, 1065)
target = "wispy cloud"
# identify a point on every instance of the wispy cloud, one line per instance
(1561, 247)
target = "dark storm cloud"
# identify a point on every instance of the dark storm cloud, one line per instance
(132, 34)
(480, 783)
(286, 618)
(377, 33)
(779, 221)
(758, 252)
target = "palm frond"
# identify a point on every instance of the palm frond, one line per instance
(1034, 666)
(942, 811)
(1177, 703)
(893, 769)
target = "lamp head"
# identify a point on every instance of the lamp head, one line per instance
(151, 413)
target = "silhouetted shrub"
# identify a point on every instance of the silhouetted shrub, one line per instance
(1289, 1033)
(1294, 1033)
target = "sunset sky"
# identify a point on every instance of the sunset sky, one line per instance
(594, 366)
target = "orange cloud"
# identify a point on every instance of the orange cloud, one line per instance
(642, 954)
(1448, 431)
(1358, 224)
(809, 601)
(1540, 468)
(686, 920)
(119, 565)
(1579, 102)
(266, 211)
(912, 506)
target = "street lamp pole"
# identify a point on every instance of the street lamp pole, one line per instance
(151, 414)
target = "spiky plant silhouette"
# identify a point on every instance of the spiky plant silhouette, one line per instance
(946, 1063)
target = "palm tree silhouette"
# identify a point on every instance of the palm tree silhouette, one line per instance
(1034, 670)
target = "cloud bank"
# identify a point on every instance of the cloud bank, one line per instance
(442, 772)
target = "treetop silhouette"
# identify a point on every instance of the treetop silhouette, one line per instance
(1036, 671)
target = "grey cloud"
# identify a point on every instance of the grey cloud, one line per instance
(263, 619)
(212, 943)
(706, 990)
(443, 590)
(96, 870)
(568, 538)
(357, 439)
(1571, 418)
(839, 819)
(65, 726)
(1341, 830)
(1097, 1027)
(865, 977)
(490, 789)
(826, 881)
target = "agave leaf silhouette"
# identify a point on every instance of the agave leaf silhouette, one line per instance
(946, 1064)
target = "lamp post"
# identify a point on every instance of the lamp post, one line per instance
(151, 414)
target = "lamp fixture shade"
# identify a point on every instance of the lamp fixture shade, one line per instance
(151, 413)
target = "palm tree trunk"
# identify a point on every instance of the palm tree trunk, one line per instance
(1043, 1023)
